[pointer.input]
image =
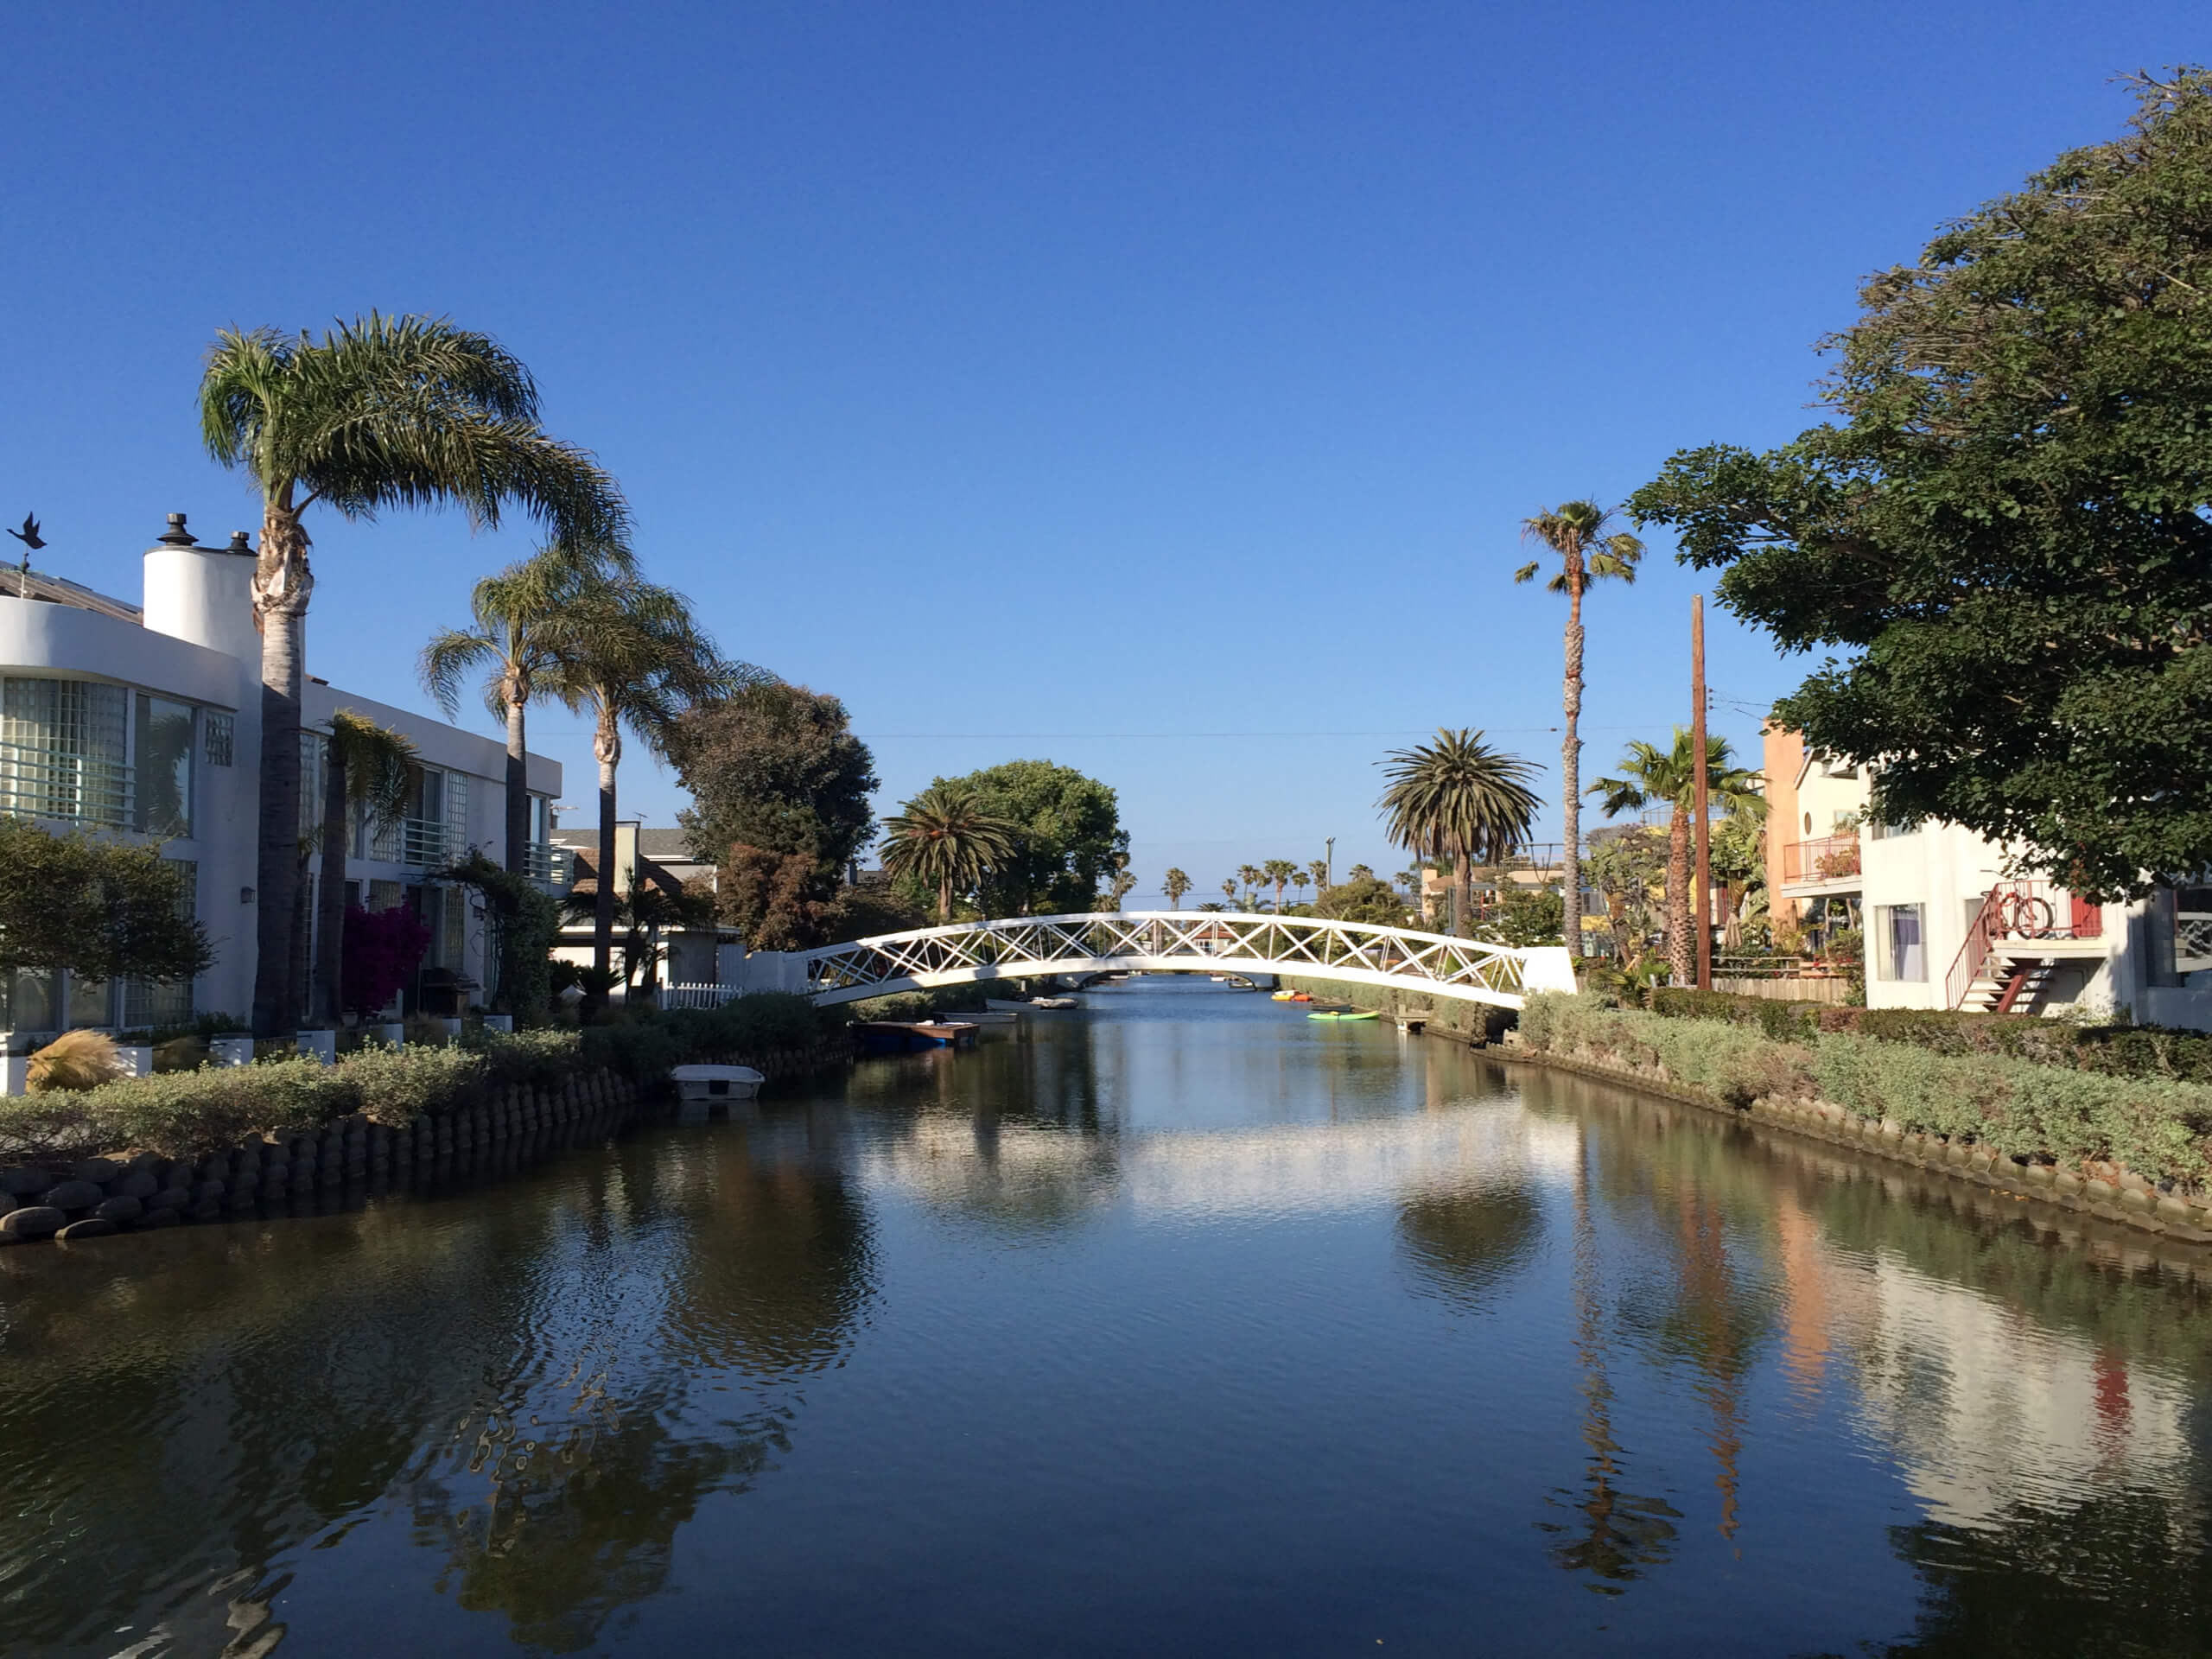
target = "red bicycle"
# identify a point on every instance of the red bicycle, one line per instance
(2021, 916)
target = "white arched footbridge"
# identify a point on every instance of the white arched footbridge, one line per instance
(1165, 941)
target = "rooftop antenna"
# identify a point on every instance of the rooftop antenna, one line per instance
(30, 538)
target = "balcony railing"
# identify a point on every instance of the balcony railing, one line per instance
(1830, 858)
(424, 845)
(554, 866)
(41, 784)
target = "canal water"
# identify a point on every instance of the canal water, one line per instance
(1181, 1324)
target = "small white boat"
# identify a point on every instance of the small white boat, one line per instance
(1056, 1003)
(696, 1083)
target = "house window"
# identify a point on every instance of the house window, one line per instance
(1903, 948)
(62, 750)
(29, 1001)
(163, 775)
(2192, 929)
(217, 733)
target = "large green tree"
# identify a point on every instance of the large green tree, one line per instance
(1651, 776)
(1069, 829)
(1576, 533)
(780, 788)
(380, 412)
(102, 909)
(1459, 798)
(2004, 536)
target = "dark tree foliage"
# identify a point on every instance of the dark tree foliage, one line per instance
(780, 788)
(104, 909)
(2003, 531)
(1069, 833)
(776, 766)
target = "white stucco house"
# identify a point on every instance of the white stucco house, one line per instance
(143, 721)
(1949, 924)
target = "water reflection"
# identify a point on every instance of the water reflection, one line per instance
(1282, 1337)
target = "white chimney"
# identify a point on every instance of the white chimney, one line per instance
(203, 593)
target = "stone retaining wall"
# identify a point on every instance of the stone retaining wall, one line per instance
(2128, 1200)
(344, 1163)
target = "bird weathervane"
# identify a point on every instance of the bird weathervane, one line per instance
(30, 538)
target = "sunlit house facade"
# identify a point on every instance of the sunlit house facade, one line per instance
(144, 723)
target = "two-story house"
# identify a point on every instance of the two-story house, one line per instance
(145, 721)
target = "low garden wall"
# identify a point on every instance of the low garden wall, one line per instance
(139, 1153)
(2112, 1143)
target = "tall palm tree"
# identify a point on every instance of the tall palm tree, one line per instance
(1250, 876)
(947, 837)
(380, 412)
(628, 654)
(1461, 799)
(1577, 532)
(365, 775)
(1318, 869)
(516, 616)
(1174, 884)
(1278, 872)
(1299, 878)
(1651, 776)
(1228, 890)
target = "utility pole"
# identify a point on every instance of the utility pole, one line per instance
(1701, 887)
(1330, 862)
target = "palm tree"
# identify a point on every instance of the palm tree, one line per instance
(1250, 876)
(516, 615)
(1299, 878)
(1318, 869)
(1174, 884)
(1651, 776)
(365, 769)
(1279, 871)
(1458, 799)
(380, 412)
(628, 654)
(1228, 890)
(1587, 550)
(945, 837)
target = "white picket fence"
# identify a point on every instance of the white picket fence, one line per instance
(698, 997)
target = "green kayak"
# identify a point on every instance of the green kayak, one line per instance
(1356, 1014)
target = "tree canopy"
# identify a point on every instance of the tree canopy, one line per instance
(779, 787)
(2005, 534)
(103, 909)
(1068, 831)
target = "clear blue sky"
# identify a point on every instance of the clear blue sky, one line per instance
(1084, 381)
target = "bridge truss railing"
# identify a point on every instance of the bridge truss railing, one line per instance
(1357, 951)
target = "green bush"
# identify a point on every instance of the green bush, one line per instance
(2158, 1127)
(178, 1114)
(535, 1058)
(398, 1085)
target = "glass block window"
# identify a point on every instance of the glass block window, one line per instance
(161, 779)
(92, 1002)
(386, 895)
(145, 1004)
(62, 750)
(453, 928)
(217, 733)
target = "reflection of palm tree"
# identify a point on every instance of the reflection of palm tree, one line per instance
(1621, 1532)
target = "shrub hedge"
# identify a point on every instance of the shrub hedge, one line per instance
(2158, 1127)
(2109, 1051)
(187, 1114)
